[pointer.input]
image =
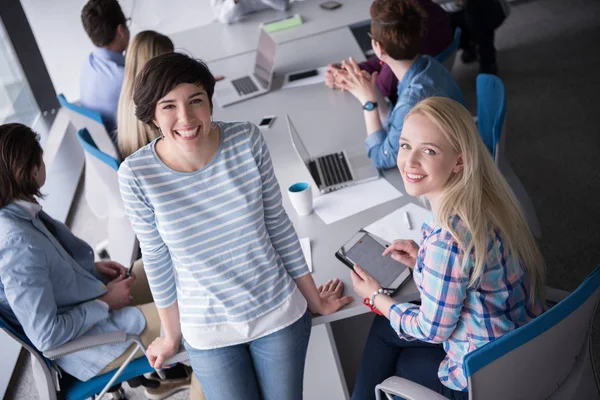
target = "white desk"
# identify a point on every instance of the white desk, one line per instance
(324, 118)
(217, 41)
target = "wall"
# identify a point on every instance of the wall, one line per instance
(64, 44)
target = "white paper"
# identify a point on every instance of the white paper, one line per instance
(312, 80)
(393, 226)
(332, 207)
(305, 244)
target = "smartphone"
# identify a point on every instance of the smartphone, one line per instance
(303, 75)
(266, 122)
(365, 250)
(129, 270)
(330, 5)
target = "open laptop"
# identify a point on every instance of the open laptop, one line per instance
(335, 170)
(230, 91)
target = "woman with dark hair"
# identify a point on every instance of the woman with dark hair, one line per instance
(397, 28)
(223, 260)
(50, 285)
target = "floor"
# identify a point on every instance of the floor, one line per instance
(550, 70)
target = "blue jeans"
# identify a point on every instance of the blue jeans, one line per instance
(269, 368)
(387, 355)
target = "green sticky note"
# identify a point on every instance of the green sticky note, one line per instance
(283, 24)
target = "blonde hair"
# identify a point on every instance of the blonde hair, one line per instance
(480, 196)
(132, 133)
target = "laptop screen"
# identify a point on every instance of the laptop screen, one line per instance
(297, 142)
(265, 59)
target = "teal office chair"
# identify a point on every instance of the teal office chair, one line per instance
(122, 243)
(491, 121)
(448, 56)
(53, 384)
(548, 358)
(82, 117)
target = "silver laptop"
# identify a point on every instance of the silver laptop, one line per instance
(230, 91)
(336, 170)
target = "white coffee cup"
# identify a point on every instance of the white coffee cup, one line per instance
(301, 197)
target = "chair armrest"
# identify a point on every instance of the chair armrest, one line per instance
(409, 390)
(85, 342)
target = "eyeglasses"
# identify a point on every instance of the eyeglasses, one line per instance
(128, 22)
(371, 36)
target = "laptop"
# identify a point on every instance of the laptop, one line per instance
(333, 171)
(230, 91)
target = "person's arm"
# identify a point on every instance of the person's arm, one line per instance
(157, 262)
(30, 295)
(283, 235)
(382, 145)
(443, 292)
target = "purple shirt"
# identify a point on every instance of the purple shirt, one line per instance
(460, 317)
(437, 37)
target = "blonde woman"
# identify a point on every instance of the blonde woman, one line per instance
(134, 134)
(478, 269)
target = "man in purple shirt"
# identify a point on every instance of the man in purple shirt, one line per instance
(103, 70)
(437, 36)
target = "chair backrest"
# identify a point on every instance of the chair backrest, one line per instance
(447, 56)
(122, 242)
(534, 360)
(82, 117)
(491, 110)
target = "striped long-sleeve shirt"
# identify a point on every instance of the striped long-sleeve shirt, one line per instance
(460, 317)
(217, 240)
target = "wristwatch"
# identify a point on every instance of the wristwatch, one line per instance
(370, 105)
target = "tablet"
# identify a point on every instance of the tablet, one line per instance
(365, 250)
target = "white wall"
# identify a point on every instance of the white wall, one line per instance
(64, 44)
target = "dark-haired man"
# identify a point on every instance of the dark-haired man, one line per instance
(102, 73)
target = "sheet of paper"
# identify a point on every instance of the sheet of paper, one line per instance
(332, 207)
(305, 244)
(393, 226)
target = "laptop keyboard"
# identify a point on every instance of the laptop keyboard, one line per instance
(244, 85)
(335, 169)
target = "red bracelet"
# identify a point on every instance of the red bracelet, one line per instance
(366, 302)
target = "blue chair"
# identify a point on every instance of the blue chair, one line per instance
(548, 358)
(82, 117)
(53, 384)
(491, 121)
(448, 56)
(123, 245)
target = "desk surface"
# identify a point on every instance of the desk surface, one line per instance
(324, 118)
(217, 41)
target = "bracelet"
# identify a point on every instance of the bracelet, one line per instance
(380, 291)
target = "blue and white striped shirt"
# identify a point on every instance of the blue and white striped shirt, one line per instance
(217, 240)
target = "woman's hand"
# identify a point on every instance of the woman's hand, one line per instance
(331, 297)
(360, 83)
(403, 251)
(364, 284)
(330, 80)
(160, 350)
(110, 269)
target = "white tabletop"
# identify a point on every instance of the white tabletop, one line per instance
(217, 41)
(324, 119)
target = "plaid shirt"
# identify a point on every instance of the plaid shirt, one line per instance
(462, 318)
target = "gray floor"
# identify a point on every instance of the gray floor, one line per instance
(551, 72)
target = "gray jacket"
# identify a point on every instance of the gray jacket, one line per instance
(50, 290)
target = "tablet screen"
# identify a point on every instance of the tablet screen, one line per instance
(367, 253)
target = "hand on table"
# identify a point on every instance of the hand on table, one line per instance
(331, 297)
(403, 251)
(360, 83)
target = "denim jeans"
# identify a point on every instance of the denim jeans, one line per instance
(386, 355)
(268, 368)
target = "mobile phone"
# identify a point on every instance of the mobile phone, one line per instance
(303, 75)
(330, 5)
(365, 250)
(129, 270)
(266, 122)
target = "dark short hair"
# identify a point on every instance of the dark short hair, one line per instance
(100, 19)
(164, 73)
(20, 153)
(399, 26)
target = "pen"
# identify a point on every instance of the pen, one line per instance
(407, 220)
